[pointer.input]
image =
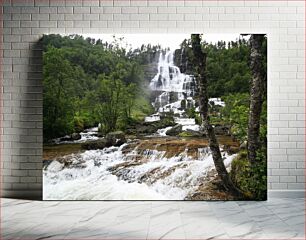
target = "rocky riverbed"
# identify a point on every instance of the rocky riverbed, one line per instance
(148, 168)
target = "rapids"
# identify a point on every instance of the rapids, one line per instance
(116, 173)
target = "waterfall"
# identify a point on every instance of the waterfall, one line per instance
(173, 85)
(176, 92)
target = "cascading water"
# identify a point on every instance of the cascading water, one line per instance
(111, 174)
(173, 85)
(176, 94)
(176, 91)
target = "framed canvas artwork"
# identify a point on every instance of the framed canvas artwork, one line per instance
(155, 117)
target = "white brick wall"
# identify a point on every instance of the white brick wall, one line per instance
(24, 22)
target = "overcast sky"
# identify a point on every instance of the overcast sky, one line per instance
(165, 40)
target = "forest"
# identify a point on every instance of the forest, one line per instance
(88, 83)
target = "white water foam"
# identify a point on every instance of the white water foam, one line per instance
(90, 179)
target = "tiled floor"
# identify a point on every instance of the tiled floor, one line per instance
(274, 219)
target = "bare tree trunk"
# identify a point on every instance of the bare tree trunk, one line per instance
(199, 61)
(256, 92)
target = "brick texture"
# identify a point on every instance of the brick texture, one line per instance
(24, 22)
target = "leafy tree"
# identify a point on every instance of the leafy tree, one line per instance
(76, 70)
(236, 113)
(58, 80)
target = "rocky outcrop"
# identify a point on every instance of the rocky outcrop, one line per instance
(147, 128)
(175, 131)
(150, 71)
(115, 138)
(181, 60)
(112, 139)
(93, 145)
(71, 137)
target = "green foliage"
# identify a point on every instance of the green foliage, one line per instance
(251, 179)
(87, 82)
(78, 123)
(186, 134)
(227, 66)
(236, 113)
(142, 107)
(191, 113)
(59, 78)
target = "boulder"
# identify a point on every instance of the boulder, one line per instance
(146, 129)
(71, 137)
(174, 131)
(115, 139)
(75, 136)
(93, 145)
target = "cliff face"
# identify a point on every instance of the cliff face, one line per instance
(181, 59)
(151, 67)
(150, 71)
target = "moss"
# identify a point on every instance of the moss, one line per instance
(251, 179)
(186, 134)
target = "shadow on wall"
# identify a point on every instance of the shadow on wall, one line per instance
(30, 145)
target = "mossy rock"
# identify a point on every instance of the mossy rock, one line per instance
(93, 145)
(175, 131)
(191, 133)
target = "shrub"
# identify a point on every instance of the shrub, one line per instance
(250, 179)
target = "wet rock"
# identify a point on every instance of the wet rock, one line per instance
(71, 137)
(46, 163)
(55, 166)
(99, 134)
(211, 188)
(112, 139)
(181, 57)
(115, 139)
(176, 130)
(75, 136)
(147, 128)
(93, 145)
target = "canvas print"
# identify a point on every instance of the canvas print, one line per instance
(155, 117)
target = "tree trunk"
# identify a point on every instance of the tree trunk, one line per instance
(199, 62)
(256, 92)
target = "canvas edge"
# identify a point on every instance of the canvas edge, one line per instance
(37, 194)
